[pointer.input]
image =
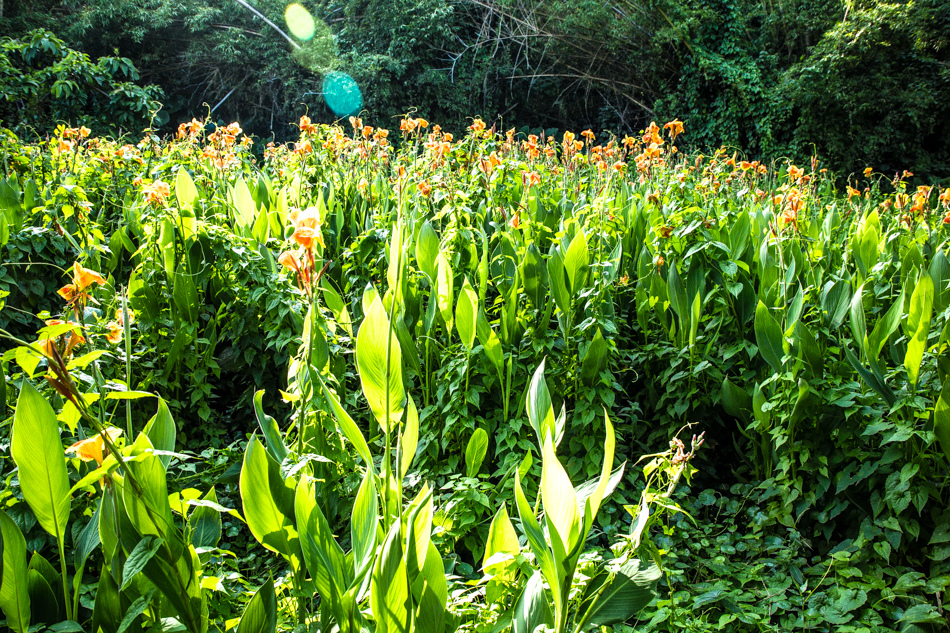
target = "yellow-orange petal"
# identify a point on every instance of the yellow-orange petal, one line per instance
(84, 277)
(304, 236)
(68, 292)
(88, 450)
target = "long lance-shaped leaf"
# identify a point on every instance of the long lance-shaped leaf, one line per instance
(445, 291)
(558, 497)
(38, 452)
(592, 505)
(380, 371)
(465, 314)
(540, 409)
(324, 557)
(535, 536)
(389, 592)
(364, 523)
(410, 438)
(260, 614)
(768, 337)
(918, 324)
(14, 593)
(347, 425)
(268, 501)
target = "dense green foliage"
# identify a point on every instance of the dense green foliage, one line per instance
(355, 343)
(858, 83)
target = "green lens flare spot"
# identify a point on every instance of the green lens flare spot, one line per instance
(342, 94)
(299, 21)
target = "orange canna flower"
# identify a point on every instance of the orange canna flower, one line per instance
(91, 449)
(83, 277)
(675, 127)
(309, 218)
(305, 236)
(424, 188)
(288, 260)
(867, 172)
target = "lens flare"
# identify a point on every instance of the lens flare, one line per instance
(342, 94)
(299, 22)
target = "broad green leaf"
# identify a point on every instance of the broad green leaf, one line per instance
(244, 205)
(595, 359)
(136, 609)
(884, 327)
(835, 301)
(161, 432)
(38, 452)
(322, 554)
(364, 523)
(445, 291)
(735, 400)
(621, 595)
(410, 438)
(427, 250)
(942, 418)
(381, 378)
(185, 189)
(540, 410)
(43, 606)
(268, 501)
(677, 291)
(577, 262)
(558, 496)
(107, 610)
(918, 323)
(858, 325)
(465, 314)
(185, 295)
(275, 441)
(396, 270)
(768, 337)
(532, 609)
(347, 425)
(389, 591)
(810, 351)
(41, 566)
(592, 504)
(205, 522)
(143, 551)
(14, 586)
(260, 614)
(558, 281)
(502, 538)
(490, 343)
(475, 452)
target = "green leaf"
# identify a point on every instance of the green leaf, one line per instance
(540, 409)
(490, 343)
(43, 605)
(185, 295)
(260, 614)
(143, 551)
(557, 281)
(475, 452)
(389, 592)
(427, 250)
(275, 441)
(268, 501)
(533, 609)
(503, 539)
(161, 432)
(918, 324)
(884, 327)
(942, 418)
(364, 523)
(38, 452)
(205, 522)
(410, 438)
(244, 205)
(735, 400)
(185, 189)
(768, 337)
(858, 326)
(577, 262)
(346, 423)
(558, 497)
(445, 291)
(135, 610)
(465, 312)
(621, 595)
(381, 380)
(107, 610)
(595, 360)
(14, 586)
(323, 555)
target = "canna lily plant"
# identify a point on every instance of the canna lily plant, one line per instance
(558, 537)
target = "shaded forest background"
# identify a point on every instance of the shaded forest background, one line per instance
(860, 83)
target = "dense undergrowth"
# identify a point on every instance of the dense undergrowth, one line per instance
(382, 363)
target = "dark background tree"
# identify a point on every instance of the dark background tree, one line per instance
(859, 82)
